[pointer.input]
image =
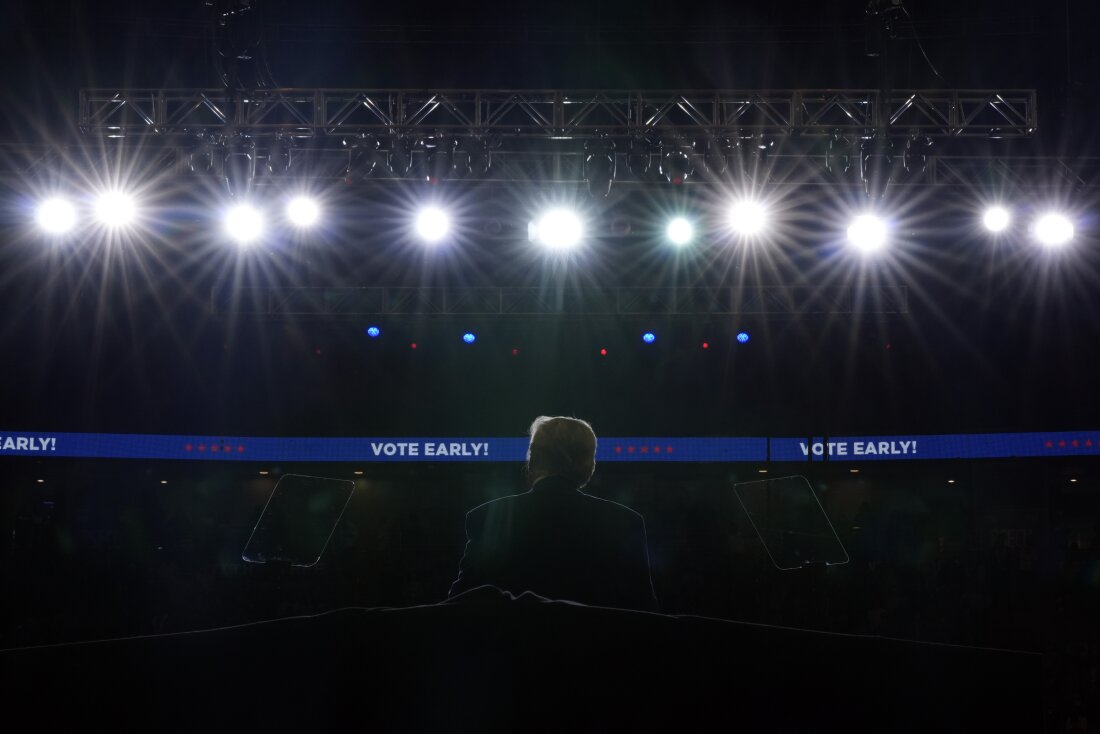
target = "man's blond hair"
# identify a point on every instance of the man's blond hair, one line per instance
(562, 447)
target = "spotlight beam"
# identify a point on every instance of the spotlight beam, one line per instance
(115, 209)
(996, 219)
(244, 224)
(748, 218)
(867, 233)
(680, 232)
(1054, 230)
(432, 224)
(56, 216)
(560, 230)
(303, 211)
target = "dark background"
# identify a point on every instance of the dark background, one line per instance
(998, 336)
(603, 44)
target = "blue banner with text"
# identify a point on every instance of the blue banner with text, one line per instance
(647, 449)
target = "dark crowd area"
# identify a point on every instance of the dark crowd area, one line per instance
(1002, 554)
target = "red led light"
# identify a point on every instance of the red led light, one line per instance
(1050, 444)
(668, 449)
(603, 352)
(1076, 443)
(214, 447)
(656, 449)
(618, 449)
(706, 345)
(1088, 442)
(240, 448)
(645, 449)
(515, 352)
(412, 346)
(1061, 444)
(187, 447)
(630, 449)
(202, 447)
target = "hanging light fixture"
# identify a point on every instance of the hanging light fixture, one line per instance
(599, 166)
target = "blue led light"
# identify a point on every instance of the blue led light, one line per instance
(373, 332)
(743, 337)
(649, 337)
(469, 337)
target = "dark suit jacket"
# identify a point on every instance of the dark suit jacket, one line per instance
(559, 543)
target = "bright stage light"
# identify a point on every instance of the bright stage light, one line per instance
(56, 216)
(303, 211)
(244, 224)
(867, 233)
(743, 338)
(559, 229)
(748, 217)
(115, 209)
(649, 337)
(373, 332)
(996, 219)
(432, 224)
(469, 337)
(680, 232)
(1053, 230)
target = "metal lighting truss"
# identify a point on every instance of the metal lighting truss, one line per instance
(777, 137)
(558, 114)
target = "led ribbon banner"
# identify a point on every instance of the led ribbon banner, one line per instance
(761, 449)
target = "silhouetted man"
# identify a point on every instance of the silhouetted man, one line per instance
(554, 539)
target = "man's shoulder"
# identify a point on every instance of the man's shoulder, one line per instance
(610, 507)
(592, 505)
(495, 504)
